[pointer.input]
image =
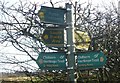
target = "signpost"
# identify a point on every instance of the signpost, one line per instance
(52, 15)
(53, 37)
(70, 42)
(90, 60)
(52, 61)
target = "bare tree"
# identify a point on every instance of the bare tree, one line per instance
(21, 26)
(103, 28)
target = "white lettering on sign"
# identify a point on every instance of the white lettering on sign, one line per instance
(54, 61)
(95, 60)
(51, 65)
(88, 60)
(96, 55)
(49, 57)
(83, 57)
(61, 61)
(83, 61)
(49, 61)
(62, 57)
(85, 65)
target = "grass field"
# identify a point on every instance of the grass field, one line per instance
(17, 79)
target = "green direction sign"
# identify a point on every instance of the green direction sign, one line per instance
(51, 15)
(90, 60)
(53, 37)
(52, 61)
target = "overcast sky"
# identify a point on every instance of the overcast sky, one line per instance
(46, 2)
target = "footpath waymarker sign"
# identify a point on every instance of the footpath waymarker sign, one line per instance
(53, 37)
(82, 40)
(52, 61)
(51, 15)
(90, 60)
